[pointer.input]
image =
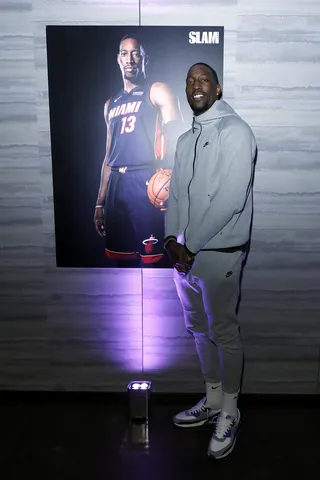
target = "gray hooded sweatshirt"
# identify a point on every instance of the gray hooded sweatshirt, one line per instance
(210, 199)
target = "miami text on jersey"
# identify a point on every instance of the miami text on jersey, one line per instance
(124, 109)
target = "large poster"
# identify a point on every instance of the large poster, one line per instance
(117, 107)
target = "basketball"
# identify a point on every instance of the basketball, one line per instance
(158, 188)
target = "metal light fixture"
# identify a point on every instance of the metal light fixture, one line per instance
(139, 395)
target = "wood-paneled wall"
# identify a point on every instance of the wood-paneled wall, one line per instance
(65, 329)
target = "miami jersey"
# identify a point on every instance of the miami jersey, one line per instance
(135, 129)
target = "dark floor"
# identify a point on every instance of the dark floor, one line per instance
(87, 436)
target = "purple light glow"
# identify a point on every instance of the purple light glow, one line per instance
(165, 340)
(135, 315)
(119, 293)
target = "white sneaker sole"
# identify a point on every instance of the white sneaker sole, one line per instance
(196, 424)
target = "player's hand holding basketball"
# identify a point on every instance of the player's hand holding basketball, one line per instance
(158, 188)
(98, 221)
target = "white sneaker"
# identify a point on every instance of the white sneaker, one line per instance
(224, 438)
(196, 416)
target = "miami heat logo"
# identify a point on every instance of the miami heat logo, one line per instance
(149, 242)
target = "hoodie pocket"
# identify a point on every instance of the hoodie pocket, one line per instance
(199, 205)
(212, 187)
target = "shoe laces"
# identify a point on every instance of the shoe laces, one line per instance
(199, 407)
(224, 423)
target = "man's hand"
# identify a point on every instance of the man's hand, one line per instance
(179, 256)
(185, 261)
(173, 249)
(98, 221)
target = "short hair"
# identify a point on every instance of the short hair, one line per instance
(136, 37)
(214, 73)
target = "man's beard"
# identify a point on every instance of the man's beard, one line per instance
(199, 110)
(133, 77)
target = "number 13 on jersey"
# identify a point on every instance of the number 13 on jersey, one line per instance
(128, 124)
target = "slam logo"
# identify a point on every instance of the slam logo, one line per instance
(204, 37)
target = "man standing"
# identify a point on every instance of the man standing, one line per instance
(208, 224)
(141, 137)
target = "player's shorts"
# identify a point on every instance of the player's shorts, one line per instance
(134, 227)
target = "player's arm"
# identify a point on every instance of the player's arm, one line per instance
(105, 173)
(162, 97)
(105, 170)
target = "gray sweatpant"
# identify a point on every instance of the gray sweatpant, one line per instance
(209, 294)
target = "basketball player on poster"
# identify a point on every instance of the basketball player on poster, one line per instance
(141, 121)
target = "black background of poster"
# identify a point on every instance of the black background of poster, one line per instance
(82, 74)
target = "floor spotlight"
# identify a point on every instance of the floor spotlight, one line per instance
(139, 395)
